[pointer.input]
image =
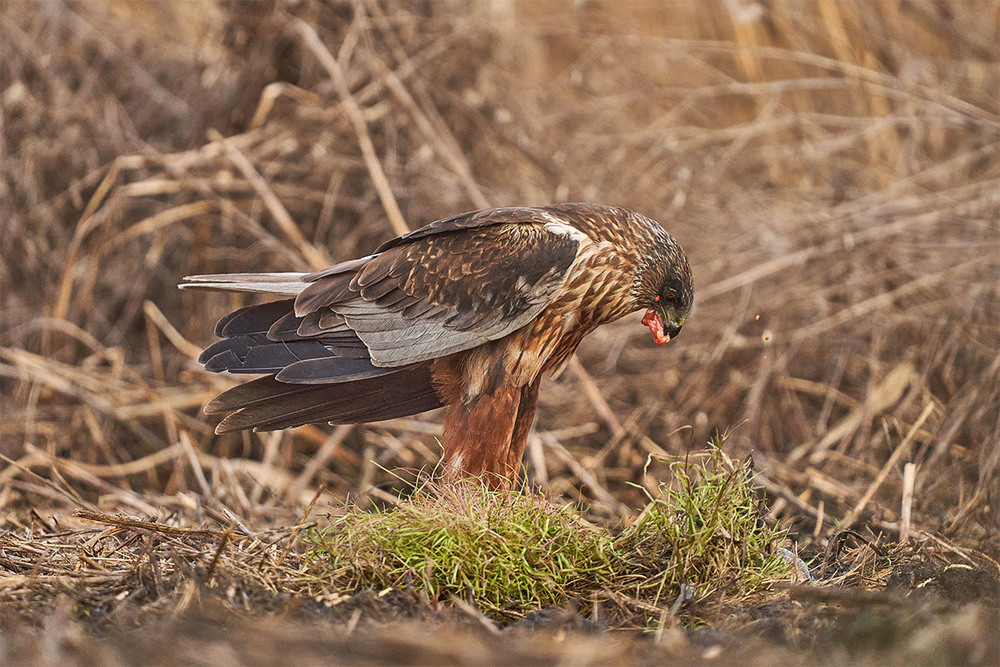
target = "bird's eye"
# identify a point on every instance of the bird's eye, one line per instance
(669, 297)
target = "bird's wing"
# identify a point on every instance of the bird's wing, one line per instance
(447, 287)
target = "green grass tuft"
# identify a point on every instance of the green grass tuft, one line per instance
(513, 553)
(706, 529)
(503, 548)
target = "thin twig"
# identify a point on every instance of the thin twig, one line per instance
(300, 525)
(889, 465)
(315, 257)
(909, 475)
(593, 394)
(357, 118)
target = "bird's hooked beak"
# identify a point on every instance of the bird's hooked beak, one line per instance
(662, 328)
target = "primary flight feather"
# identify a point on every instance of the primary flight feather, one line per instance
(469, 312)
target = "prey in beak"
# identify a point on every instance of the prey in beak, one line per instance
(662, 332)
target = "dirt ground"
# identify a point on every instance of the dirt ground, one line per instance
(831, 168)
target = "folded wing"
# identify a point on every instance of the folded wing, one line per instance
(355, 341)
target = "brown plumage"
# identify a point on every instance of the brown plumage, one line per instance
(468, 312)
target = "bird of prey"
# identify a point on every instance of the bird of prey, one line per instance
(467, 312)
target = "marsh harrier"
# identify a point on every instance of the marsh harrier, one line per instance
(467, 312)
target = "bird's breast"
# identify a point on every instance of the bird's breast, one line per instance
(597, 289)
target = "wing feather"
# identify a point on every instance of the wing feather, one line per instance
(448, 287)
(252, 319)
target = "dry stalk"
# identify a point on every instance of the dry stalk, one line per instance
(379, 180)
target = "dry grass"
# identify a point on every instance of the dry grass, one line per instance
(832, 169)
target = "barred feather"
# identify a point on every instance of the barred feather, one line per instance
(467, 311)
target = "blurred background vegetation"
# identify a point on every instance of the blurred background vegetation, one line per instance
(831, 168)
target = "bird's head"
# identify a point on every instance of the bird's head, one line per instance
(665, 289)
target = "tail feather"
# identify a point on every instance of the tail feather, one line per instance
(267, 404)
(254, 392)
(317, 371)
(268, 283)
(330, 370)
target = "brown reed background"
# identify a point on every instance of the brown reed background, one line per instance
(831, 168)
